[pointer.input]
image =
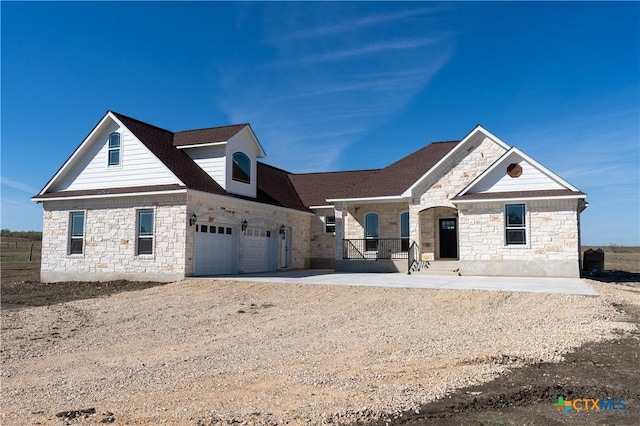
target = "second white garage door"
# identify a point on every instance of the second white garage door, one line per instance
(216, 252)
(258, 251)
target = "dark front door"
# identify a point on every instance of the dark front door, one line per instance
(448, 239)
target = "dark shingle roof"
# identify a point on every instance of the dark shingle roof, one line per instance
(315, 188)
(110, 191)
(517, 194)
(204, 136)
(274, 186)
(160, 143)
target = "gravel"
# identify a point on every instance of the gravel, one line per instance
(213, 352)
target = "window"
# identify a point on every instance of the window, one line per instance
(404, 231)
(76, 234)
(145, 231)
(330, 224)
(114, 149)
(371, 231)
(515, 224)
(241, 169)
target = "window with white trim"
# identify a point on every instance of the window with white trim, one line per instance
(76, 233)
(241, 168)
(404, 231)
(371, 231)
(515, 224)
(145, 232)
(330, 224)
(114, 149)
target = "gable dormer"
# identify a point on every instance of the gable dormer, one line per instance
(228, 154)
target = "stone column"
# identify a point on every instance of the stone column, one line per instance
(339, 230)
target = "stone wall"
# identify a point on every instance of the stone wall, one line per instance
(445, 182)
(231, 212)
(552, 240)
(110, 240)
(321, 243)
(388, 219)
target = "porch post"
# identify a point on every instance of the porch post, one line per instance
(414, 225)
(337, 249)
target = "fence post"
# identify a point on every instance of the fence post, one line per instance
(31, 252)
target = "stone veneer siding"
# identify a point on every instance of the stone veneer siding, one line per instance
(230, 211)
(321, 243)
(552, 248)
(388, 219)
(109, 251)
(443, 184)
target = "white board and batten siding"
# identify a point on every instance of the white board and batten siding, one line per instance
(138, 166)
(531, 179)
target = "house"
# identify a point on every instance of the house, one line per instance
(138, 202)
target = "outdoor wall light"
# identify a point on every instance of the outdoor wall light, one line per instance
(244, 225)
(282, 230)
(193, 219)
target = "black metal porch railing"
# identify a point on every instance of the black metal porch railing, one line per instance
(375, 248)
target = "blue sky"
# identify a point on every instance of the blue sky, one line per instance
(333, 86)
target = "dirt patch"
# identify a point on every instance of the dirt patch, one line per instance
(528, 395)
(20, 294)
(214, 352)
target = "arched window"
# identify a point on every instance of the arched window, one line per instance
(371, 231)
(241, 168)
(114, 149)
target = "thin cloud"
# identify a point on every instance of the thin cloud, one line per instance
(360, 51)
(21, 186)
(18, 203)
(355, 25)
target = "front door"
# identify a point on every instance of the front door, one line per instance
(448, 239)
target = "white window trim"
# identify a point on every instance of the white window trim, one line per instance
(138, 237)
(109, 149)
(250, 168)
(326, 223)
(84, 233)
(527, 221)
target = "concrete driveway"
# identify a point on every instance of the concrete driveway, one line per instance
(398, 280)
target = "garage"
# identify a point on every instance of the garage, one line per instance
(258, 251)
(216, 250)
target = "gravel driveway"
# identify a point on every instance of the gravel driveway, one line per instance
(213, 352)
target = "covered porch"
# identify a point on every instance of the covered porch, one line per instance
(394, 237)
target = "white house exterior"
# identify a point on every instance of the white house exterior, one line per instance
(138, 202)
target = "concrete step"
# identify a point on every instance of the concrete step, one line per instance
(439, 267)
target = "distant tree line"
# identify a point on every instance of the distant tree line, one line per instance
(27, 235)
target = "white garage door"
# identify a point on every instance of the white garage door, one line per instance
(258, 251)
(216, 252)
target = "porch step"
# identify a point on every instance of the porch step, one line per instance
(438, 267)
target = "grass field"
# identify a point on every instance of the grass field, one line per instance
(14, 259)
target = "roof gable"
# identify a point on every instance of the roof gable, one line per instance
(86, 167)
(515, 172)
(478, 134)
(217, 136)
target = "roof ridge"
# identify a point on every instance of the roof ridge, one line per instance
(117, 114)
(214, 127)
(274, 167)
(335, 171)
